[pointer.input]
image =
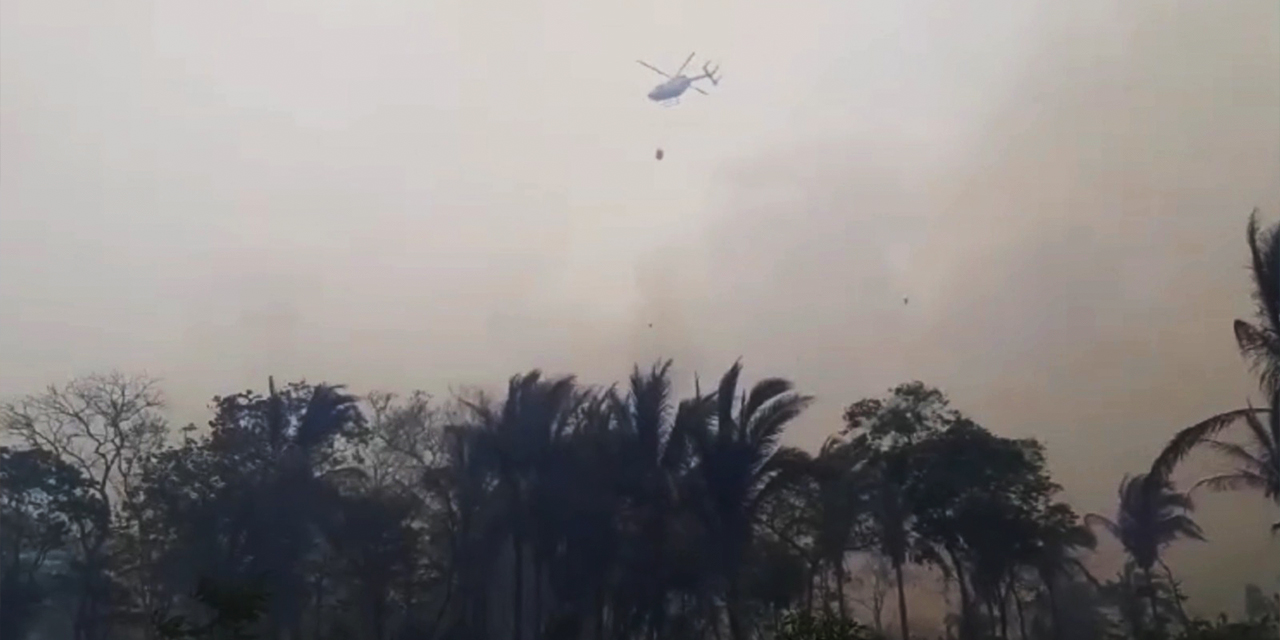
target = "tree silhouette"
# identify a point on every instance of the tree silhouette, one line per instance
(740, 466)
(1151, 515)
(560, 511)
(518, 439)
(1257, 463)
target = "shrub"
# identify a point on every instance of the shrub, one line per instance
(803, 625)
(1222, 629)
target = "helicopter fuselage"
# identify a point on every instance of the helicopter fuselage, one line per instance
(671, 89)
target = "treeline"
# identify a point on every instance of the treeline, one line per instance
(561, 510)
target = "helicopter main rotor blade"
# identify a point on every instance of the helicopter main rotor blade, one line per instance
(654, 69)
(699, 90)
(686, 63)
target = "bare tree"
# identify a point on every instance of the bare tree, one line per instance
(406, 437)
(103, 424)
(872, 587)
(106, 426)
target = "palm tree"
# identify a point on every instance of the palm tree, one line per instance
(1151, 516)
(578, 508)
(519, 439)
(284, 443)
(1257, 463)
(1054, 556)
(740, 465)
(840, 480)
(654, 454)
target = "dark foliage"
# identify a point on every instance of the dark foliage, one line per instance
(804, 625)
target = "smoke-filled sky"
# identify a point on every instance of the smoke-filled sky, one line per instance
(425, 194)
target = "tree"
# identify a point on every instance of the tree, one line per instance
(43, 500)
(893, 428)
(377, 548)
(105, 426)
(1079, 611)
(1257, 462)
(246, 502)
(653, 455)
(740, 465)
(1222, 629)
(1151, 515)
(841, 498)
(986, 504)
(1258, 606)
(229, 612)
(519, 439)
(872, 587)
(1060, 536)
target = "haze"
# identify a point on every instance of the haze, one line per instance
(429, 194)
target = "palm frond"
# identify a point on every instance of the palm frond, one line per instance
(1257, 343)
(784, 467)
(1163, 498)
(724, 402)
(1179, 526)
(1268, 441)
(1191, 437)
(329, 412)
(622, 411)
(650, 404)
(1103, 522)
(1233, 481)
(1264, 251)
(691, 425)
(1238, 455)
(770, 421)
(763, 392)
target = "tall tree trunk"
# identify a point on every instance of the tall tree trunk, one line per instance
(737, 628)
(902, 599)
(1177, 594)
(517, 598)
(813, 579)
(840, 580)
(379, 616)
(1003, 595)
(966, 600)
(1022, 619)
(444, 603)
(1055, 622)
(600, 615)
(877, 611)
(1156, 624)
(537, 596)
(992, 618)
(826, 593)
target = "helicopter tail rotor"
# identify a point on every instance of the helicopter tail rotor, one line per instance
(710, 73)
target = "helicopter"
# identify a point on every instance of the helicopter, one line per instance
(669, 92)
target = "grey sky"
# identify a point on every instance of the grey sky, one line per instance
(407, 194)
